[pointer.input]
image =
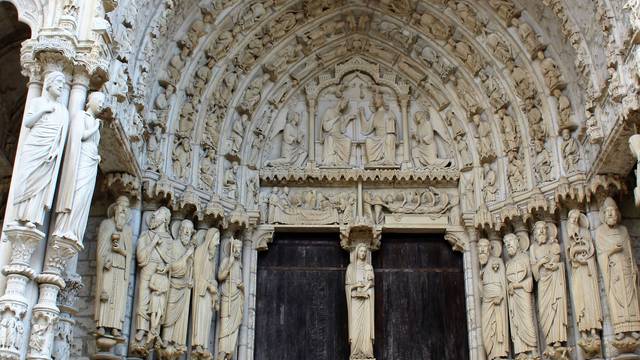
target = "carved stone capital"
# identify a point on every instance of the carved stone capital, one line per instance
(24, 241)
(361, 231)
(68, 296)
(122, 184)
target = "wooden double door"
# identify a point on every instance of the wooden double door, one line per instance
(301, 304)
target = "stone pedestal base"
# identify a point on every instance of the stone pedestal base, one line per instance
(104, 345)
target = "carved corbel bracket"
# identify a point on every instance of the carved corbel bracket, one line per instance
(360, 231)
(238, 218)
(161, 190)
(570, 193)
(213, 213)
(122, 184)
(457, 238)
(262, 237)
(189, 202)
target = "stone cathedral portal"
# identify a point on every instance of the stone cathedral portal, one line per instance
(314, 179)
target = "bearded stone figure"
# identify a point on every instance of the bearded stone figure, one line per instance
(152, 253)
(520, 296)
(584, 287)
(336, 145)
(620, 275)
(380, 144)
(360, 303)
(495, 331)
(113, 261)
(79, 172)
(180, 269)
(41, 154)
(205, 293)
(231, 300)
(548, 271)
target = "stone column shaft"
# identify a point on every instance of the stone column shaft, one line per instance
(404, 106)
(312, 132)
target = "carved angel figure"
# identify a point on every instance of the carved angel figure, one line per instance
(47, 121)
(115, 249)
(548, 271)
(79, 172)
(231, 300)
(485, 143)
(495, 328)
(425, 150)
(360, 303)
(292, 152)
(586, 293)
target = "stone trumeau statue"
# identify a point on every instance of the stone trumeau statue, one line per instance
(205, 292)
(620, 275)
(152, 253)
(79, 171)
(360, 303)
(113, 267)
(584, 287)
(41, 154)
(231, 300)
(493, 289)
(520, 296)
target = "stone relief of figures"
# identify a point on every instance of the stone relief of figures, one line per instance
(41, 154)
(11, 329)
(551, 73)
(79, 172)
(581, 254)
(292, 150)
(489, 187)
(493, 291)
(152, 253)
(310, 207)
(460, 141)
(359, 285)
(501, 49)
(620, 275)
(425, 150)
(483, 139)
(181, 157)
(205, 300)
(520, 296)
(467, 54)
(510, 135)
(232, 295)
(548, 271)
(207, 168)
(530, 39)
(469, 17)
(380, 144)
(230, 181)
(433, 26)
(180, 271)
(515, 171)
(570, 151)
(336, 148)
(253, 190)
(113, 262)
(431, 202)
(543, 162)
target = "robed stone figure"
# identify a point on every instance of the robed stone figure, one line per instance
(584, 287)
(619, 271)
(520, 295)
(153, 259)
(493, 289)
(180, 269)
(360, 304)
(425, 151)
(41, 154)
(380, 144)
(231, 300)
(113, 260)
(292, 152)
(205, 292)
(79, 171)
(336, 149)
(548, 271)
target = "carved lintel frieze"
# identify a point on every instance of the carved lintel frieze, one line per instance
(362, 230)
(122, 184)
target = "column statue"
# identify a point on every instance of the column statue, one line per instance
(360, 303)
(180, 269)
(620, 275)
(336, 149)
(231, 300)
(205, 292)
(152, 254)
(548, 271)
(47, 121)
(493, 290)
(520, 296)
(584, 287)
(425, 151)
(292, 152)
(113, 262)
(79, 171)
(380, 145)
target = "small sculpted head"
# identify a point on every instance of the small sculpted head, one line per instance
(96, 102)
(54, 83)
(361, 252)
(610, 212)
(511, 243)
(484, 249)
(185, 232)
(236, 248)
(121, 211)
(540, 232)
